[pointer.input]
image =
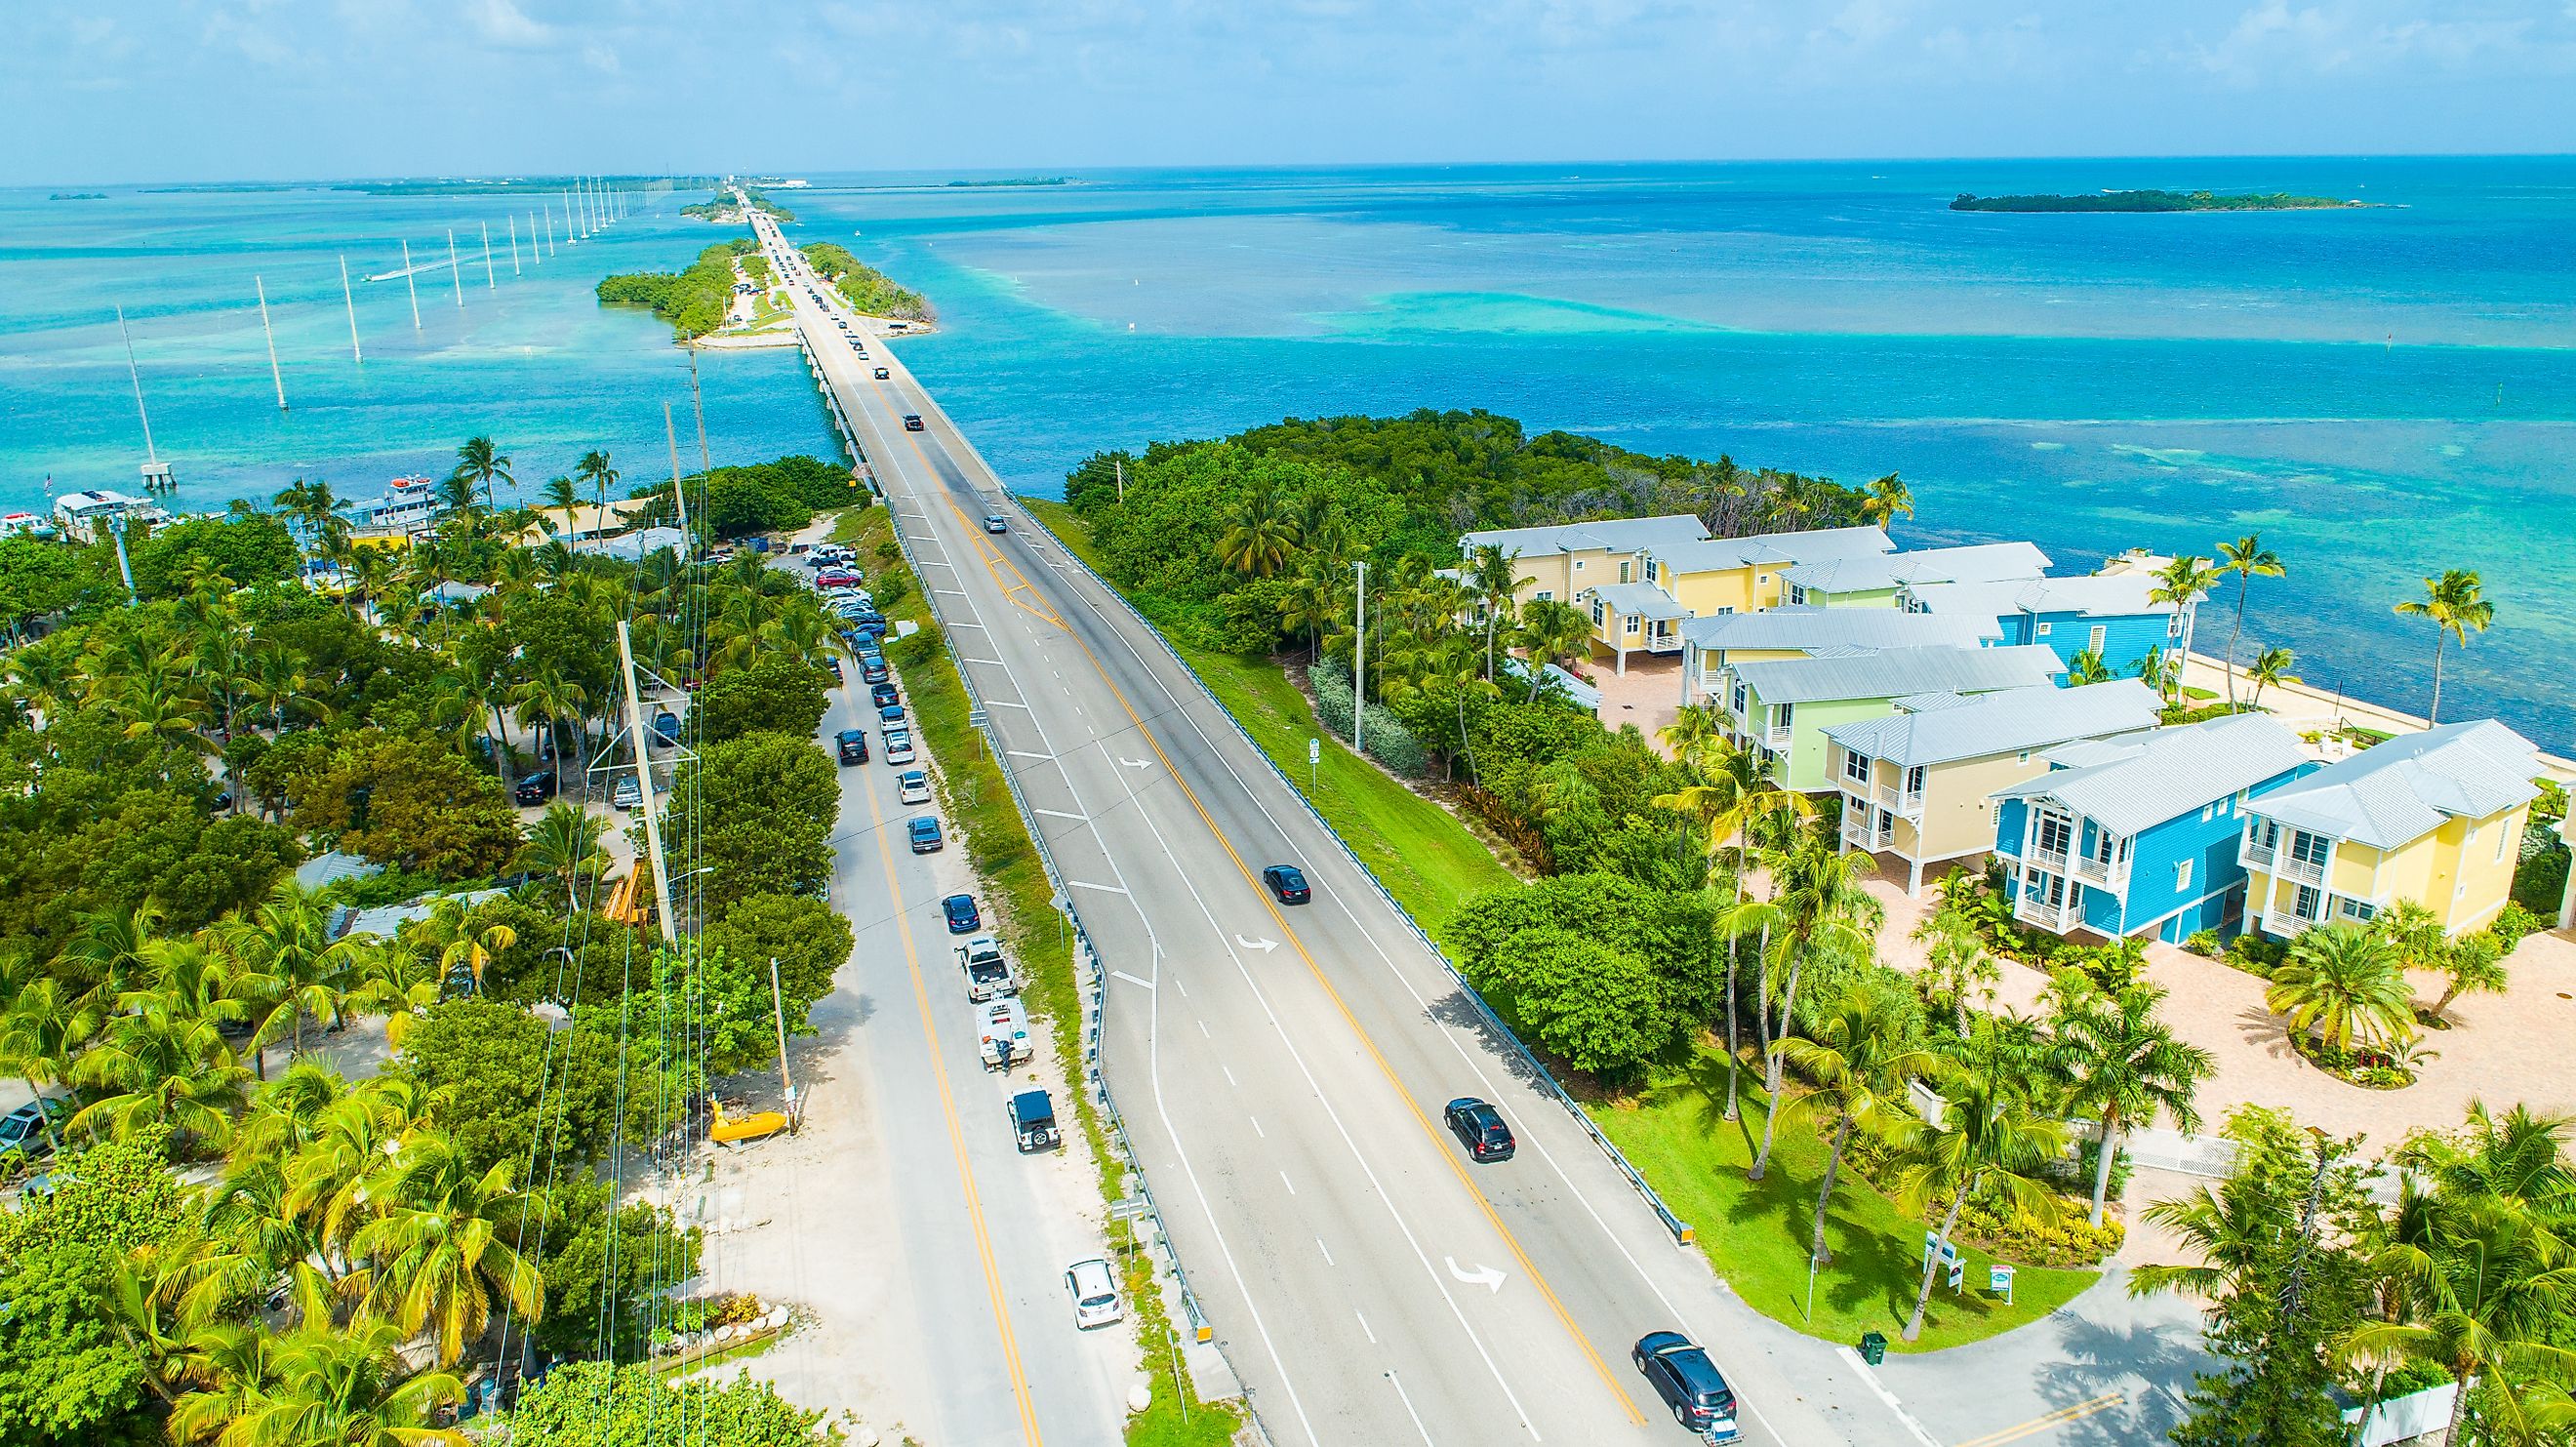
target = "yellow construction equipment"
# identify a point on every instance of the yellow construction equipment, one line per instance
(736, 1130)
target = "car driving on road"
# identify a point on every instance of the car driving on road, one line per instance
(996, 523)
(1288, 883)
(881, 374)
(854, 746)
(912, 422)
(1479, 1127)
(1690, 1384)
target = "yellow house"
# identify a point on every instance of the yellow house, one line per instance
(1713, 576)
(1562, 560)
(1915, 783)
(2435, 817)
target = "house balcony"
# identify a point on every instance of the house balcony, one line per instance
(2109, 873)
(1775, 738)
(1857, 832)
(1905, 802)
(2041, 856)
(2032, 908)
(2280, 865)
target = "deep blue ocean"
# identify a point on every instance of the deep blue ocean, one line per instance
(2381, 392)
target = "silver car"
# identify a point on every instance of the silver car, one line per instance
(912, 787)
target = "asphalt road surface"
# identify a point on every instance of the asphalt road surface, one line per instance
(1282, 1069)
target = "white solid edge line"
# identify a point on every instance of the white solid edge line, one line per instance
(1884, 1395)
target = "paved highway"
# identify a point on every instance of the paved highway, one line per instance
(1282, 1071)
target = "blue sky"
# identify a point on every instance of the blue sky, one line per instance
(149, 90)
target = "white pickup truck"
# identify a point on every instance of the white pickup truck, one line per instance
(988, 975)
(1005, 1034)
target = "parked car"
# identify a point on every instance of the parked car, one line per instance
(890, 714)
(912, 786)
(854, 746)
(834, 664)
(883, 692)
(23, 1130)
(898, 746)
(988, 972)
(925, 835)
(1033, 1122)
(1095, 1294)
(872, 668)
(628, 794)
(535, 788)
(1288, 883)
(996, 523)
(881, 374)
(667, 725)
(1480, 1128)
(1690, 1384)
(963, 918)
(1002, 1038)
(912, 422)
(836, 578)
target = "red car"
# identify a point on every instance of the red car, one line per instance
(836, 578)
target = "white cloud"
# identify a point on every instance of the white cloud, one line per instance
(504, 24)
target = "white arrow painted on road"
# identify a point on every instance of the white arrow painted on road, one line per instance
(1265, 946)
(1135, 763)
(1484, 1276)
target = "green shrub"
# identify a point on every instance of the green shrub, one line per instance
(2205, 943)
(2256, 955)
(2071, 1241)
(2514, 923)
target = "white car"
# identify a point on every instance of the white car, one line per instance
(1095, 1294)
(912, 787)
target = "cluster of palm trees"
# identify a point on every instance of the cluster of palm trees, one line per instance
(2345, 984)
(2467, 1274)
(2098, 1052)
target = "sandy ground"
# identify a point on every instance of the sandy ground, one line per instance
(1649, 696)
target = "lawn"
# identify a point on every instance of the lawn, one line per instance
(1424, 857)
(1756, 1235)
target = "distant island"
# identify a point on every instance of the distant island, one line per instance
(2154, 201)
(1020, 181)
(78, 196)
(721, 208)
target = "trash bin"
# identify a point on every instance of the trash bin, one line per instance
(1873, 1347)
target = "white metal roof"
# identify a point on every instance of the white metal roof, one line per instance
(1811, 545)
(2093, 594)
(1618, 535)
(2136, 781)
(2403, 789)
(1896, 672)
(1812, 629)
(1643, 600)
(1975, 563)
(1941, 728)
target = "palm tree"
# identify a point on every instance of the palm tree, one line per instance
(41, 1026)
(2519, 1157)
(2485, 1295)
(1859, 1065)
(161, 1065)
(479, 463)
(1956, 967)
(286, 945)
(2455, 603)
(1989, 1137)
(397, 979)
(1883, 501)
(1493, 576)
(2248, 559)
(559, 495)
(1551, 630)
(2183, 582)
(2123, 1064)
(2087, 667)
(448, 931)
(1820, 907)
(108, 949)
(2272, 667)
(564, 839)
(2343, 982)
(440, 1249)
(322, 1387)
(1260, 538)
(593, 468)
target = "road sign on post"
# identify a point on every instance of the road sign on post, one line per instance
(1314, 757)
(1999, 1278)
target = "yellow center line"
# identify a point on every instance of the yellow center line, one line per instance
(1440, 1146)
(995, 561)
(2058, 1418)
(956, 1134)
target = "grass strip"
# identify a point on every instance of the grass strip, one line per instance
(1019, 907)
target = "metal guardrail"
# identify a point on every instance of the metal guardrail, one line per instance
(1090, 983)
(1681, 1230)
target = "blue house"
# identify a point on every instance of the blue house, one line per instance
(2138, 833)
(2110, 615)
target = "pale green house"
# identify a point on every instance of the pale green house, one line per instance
(1780, 707)
(1872, 580)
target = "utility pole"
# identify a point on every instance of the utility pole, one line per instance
(1122, 481)
(116, 525)
(277, 378)
(644, 782)
(778, 1016)
(1359, 655)
(679, 494)
(706, 462)
(350, 300)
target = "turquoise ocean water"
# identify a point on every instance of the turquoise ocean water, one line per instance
(2381, 392)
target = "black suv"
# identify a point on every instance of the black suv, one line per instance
(1479, 1127)
(912, 422)
(1689, 1383)
(854, 746)
(534, 788)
